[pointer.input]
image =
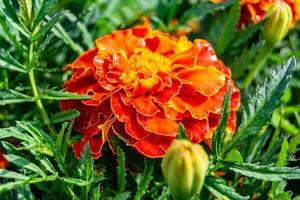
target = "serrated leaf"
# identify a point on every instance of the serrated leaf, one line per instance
(8, 62)
(12, 185)
(24, 193)
(8, 33)
(219, 189)
(12, 175)
(146, 178)
(60, 136)
(267, 97)
(87, 37)
(4, 187)
(43, 11)
(86, 168)
(74, 181)
(47, 164)
(62, 95)
(204, 9)
(218, 136)
(12, 96)
(49, 24)
(282, 157)
(26, 11)
(24, 163)
(263, 172)
(33, 131)
(229, 27)
(59, 159)
(64, 116)
(60, 32)
(10, 14)
(14, 132)
(121, 170)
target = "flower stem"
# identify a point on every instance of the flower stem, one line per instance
(259, 62)
(35, 92)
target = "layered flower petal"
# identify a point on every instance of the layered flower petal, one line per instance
(143, 84)
(255, 10)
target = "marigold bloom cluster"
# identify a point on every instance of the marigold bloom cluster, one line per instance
(255, 10)
(143, 84)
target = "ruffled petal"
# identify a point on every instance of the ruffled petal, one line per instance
(196, 129)
(128, 115)
(153, 146)
(85, 60)
(142, 104)
(158, 124)
(206, 80)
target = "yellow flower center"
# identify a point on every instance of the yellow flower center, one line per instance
(149, 63)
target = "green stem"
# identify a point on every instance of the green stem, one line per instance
(259, 62)
(35, 92)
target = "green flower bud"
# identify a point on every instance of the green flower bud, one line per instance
(278, 20)
(184, 168)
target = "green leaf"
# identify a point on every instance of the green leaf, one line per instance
(229, 27)
(96, 193)
(43, 11)
(8, 62)
(12, 96)
(9, 34)
(24, 163)
(12, 185)
(47, 164)
(267, 97)
(4, 187)
(62, 34)
(61, 134)
(34, 132)
(283, 153)
(234, 156)
(283, 196)
(204, 9)
(245, 34)
(74, 181)
(10, 174)
(44, 29)
(26, 11)
(262, 172)
(61, 95)
(14, 132)
(59, 159)
(122, 196)
(87, 36)
(181, 132)
(86, 167)
(146, 178)
(121, 170)
(219, 189)
(11, 15)
(64, 116)
(218, 136)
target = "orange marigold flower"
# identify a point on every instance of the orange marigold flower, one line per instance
(255, 10)
(3, 161)
(144, 83)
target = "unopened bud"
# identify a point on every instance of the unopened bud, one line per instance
(278, 19)
(184, 168)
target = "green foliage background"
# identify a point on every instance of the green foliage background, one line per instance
(37, 42)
